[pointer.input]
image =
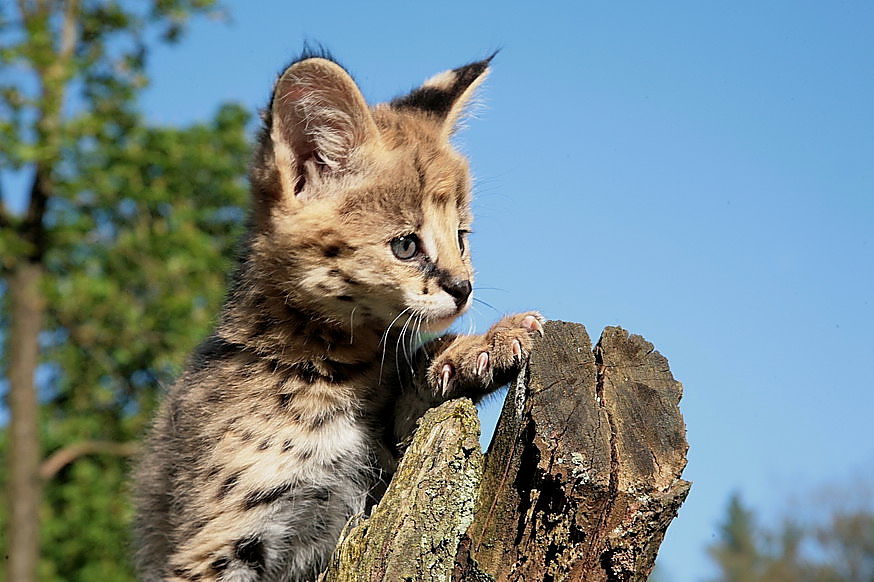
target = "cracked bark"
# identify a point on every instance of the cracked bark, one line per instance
(580, 482)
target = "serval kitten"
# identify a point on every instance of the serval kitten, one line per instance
(287, 419)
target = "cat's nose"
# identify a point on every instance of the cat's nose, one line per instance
(459, 290)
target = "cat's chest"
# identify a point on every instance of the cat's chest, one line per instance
(300, 415)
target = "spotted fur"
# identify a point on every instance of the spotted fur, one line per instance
(285, 422)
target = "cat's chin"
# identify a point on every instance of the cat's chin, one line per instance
(439, 324)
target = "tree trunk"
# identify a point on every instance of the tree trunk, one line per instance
(580, 482)
(26, 310)
(26, 307)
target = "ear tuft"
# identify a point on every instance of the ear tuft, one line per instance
(446, 94)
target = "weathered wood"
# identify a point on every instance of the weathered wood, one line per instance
(548, 430)
(580, 482)
(414, 531)
(583, 476)
(649, 446)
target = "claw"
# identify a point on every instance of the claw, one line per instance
(517, 349)
(482, 364)
(445, 376)
(532, 324)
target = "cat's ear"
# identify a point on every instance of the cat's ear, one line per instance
(318, 118)
(446, 95)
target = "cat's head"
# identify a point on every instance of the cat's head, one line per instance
(363, 212)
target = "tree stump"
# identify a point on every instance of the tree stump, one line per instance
(580, 482)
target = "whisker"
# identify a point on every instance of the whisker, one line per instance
(411, 340)
(423, 344)
(489, 305)
(415, 340)
(384, 342)
(400, 344)
(405, 347)
(387, 329)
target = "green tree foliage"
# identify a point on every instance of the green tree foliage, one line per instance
(820, 543)
(130, 230)
(135, 282)
(144, 241)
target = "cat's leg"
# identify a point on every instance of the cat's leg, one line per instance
(454, 366)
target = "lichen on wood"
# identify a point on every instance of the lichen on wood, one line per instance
(413, 533)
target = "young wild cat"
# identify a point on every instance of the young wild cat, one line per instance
(286, 421)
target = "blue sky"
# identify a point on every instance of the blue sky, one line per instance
(700, 173)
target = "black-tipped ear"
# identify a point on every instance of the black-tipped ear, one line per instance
(445, 95)
(318, 119)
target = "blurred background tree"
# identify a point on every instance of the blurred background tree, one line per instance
(110, 273)
(828, 540)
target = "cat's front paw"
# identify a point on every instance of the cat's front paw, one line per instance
(475, 365)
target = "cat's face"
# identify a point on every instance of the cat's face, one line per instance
(362, 214)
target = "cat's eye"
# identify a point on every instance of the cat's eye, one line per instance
(405, 247)
(462, 240)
